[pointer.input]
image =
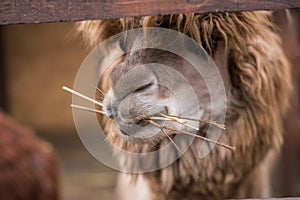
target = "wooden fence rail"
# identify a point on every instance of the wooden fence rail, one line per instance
(36, 11)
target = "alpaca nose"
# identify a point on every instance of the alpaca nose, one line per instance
(111, 112)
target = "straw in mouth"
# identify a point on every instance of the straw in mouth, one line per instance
(151, 119)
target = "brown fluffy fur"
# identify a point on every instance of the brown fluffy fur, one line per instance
(28, 166)
(249, 50)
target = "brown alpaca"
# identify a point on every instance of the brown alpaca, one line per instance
(28, 167)
(247, 50)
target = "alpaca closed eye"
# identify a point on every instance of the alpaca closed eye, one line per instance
(143, 87)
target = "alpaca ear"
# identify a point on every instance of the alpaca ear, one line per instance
(221, 60)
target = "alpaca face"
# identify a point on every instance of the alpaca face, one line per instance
(133, 96)
(150, 82)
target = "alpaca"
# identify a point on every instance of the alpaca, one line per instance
(247, 51)
(28, 167)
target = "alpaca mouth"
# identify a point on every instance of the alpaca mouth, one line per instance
(141, 120)
(139, 126)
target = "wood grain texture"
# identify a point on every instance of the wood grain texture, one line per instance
(36, 11)
(3, 98)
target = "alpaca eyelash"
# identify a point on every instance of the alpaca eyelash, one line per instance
(163, 117)
(143, 87)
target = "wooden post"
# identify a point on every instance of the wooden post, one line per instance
(290, 154)
(3, 100)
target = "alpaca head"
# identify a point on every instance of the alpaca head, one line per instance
(150, 82)
(248, 54)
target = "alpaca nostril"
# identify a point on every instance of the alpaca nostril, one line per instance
(110, 112)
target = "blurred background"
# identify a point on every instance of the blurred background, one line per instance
(38, 59)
